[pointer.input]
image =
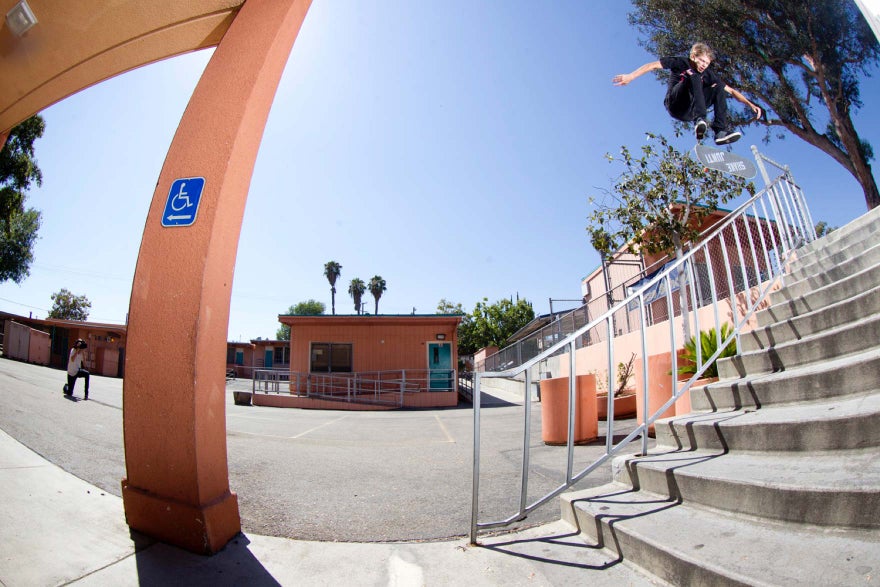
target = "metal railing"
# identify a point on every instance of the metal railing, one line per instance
(731, 271)
(372, 387)
(466, 385)
(567, 323)
(271, 380)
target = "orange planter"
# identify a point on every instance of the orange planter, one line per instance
(660, 374)
(624, 405)
(554, 410)
(659, 367)
(683, 404)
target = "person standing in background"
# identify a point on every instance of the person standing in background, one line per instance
(76, 367)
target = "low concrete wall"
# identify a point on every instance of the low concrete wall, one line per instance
(547, 369)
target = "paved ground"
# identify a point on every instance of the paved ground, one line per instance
(56, 529)
(314, 474)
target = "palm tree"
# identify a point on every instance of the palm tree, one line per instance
(332, 270)
(377, 286)
(356, 290)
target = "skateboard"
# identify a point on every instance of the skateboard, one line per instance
(725, 161)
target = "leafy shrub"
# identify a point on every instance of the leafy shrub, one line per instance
(708, 346)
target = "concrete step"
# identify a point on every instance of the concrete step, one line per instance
(864, 227)
(856, 257)
(775, 477)
(833, 289)
(846, 264)
(795, 328)
(827, 488)
(841, 424)
(836, 378)
(787, 302)
(551, 554)
(692, 545)
(840, 341)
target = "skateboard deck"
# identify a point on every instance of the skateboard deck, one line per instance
(725, 161)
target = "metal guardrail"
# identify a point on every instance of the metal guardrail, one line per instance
(567, 323)
(271, 380)
(466, 385)
(373, 387)
(732, 269)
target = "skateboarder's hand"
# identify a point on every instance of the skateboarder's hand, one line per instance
(622, 79)
(760, 113)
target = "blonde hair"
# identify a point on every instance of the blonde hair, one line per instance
(702, 49)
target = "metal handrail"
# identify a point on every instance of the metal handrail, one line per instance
(270, 380)
(375, 387)
(566, 323)
(781, 218)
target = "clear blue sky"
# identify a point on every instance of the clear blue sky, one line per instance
(449, 147)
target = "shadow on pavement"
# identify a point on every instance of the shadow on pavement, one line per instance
(160, 564)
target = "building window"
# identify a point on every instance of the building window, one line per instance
(281, 356)
(230, 355)
(330, 357)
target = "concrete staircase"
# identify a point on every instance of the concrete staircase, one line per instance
(775, 477)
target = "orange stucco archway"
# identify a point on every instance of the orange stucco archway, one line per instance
(177, 486)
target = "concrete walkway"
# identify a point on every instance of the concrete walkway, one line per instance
(56, 529)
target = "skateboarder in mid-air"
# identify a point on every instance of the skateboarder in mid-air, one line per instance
(694, 87)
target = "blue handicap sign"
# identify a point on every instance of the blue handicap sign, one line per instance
(183, 201)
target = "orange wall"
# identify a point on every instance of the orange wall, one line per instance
(379, 343)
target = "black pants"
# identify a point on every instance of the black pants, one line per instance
(688, 100)
(71, 381)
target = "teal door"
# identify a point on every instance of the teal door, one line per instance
(239, 357)
(440, 365)
(269, 360)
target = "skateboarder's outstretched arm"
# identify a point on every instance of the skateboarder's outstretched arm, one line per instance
(625, 78)
(759, 112)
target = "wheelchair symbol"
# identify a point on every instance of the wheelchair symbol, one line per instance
(182, 204)
(180, 200)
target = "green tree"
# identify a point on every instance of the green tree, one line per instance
(67, 306)
(356, 290)
(464, 332)
(822, 228)
(377, 288)
(800, 60)
(493, 324)
(444, 306)
(18, 224)
(332, 270)
(659, 203)
(308, 308)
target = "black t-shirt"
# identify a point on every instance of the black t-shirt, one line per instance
(678, 65)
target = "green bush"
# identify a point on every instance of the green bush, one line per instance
(708, 346)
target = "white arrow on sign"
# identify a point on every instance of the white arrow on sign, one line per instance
(180, 217)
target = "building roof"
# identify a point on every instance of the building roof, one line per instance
(53, 322)
(293, 319)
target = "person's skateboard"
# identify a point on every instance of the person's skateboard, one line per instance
(725, 161)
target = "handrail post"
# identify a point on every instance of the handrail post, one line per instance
(527, 433)
(609, 418)
(475, 496)
(572, 410)
(644, 323)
